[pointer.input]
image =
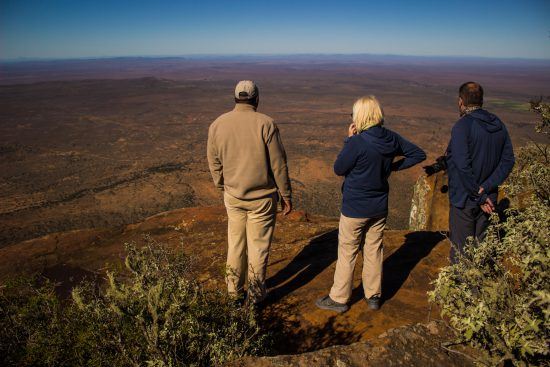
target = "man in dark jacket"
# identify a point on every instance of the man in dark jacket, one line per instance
(479, 158)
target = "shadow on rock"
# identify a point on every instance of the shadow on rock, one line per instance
(401, 262)
(66, 277)
(290, 336)
(304, 267)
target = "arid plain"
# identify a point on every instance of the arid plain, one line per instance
(98, 153)
(108, 142)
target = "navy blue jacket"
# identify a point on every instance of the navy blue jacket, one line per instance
(367, 161)
(480, 154)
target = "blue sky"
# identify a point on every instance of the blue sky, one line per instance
(67, 29)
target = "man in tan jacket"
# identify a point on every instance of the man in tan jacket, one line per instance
(247, 161)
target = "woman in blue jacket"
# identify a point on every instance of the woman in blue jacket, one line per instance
(366, 161)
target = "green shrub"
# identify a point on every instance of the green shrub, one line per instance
(543, 110)
(30, 314)
(153, 314)
(498, 296)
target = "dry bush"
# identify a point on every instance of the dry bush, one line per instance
(153, 314)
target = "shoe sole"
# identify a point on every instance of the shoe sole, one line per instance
(331, 308)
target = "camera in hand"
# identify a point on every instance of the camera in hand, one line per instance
(439, 165)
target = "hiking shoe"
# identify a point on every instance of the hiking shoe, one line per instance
(238, 301)
(326, 303)
(256, 305)
(374, 302)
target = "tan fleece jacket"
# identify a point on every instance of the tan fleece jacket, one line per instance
(246, 155)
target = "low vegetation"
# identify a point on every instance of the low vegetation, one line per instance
(498, 296)
(153, 313)
(508, 104)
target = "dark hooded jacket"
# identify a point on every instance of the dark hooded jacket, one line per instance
(480, 154)
(366, 161)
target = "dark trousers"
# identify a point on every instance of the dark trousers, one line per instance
(464, 223)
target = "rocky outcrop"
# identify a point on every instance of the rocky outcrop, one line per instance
(301, 269)
(417, 345)
(430, 203)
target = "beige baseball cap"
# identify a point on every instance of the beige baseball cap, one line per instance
(246, 89)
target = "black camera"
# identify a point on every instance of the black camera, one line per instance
(439, 165)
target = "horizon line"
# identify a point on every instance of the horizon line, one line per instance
(264, 55)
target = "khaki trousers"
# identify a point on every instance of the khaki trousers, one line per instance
(250, 225)
(352, 233)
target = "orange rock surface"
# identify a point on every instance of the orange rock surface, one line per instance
(300, 270)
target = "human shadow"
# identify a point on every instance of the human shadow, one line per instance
(401, 262)
(290, 336)
(66, 277)
(502, 209)
(304, 267)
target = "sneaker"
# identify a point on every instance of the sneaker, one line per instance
(326, 303)
(374, 302)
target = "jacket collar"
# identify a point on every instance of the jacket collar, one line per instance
(470, 109)
(244, 107)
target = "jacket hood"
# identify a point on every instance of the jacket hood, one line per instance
(487, 120)
(382, 139)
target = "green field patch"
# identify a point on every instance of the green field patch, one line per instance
(508, 104)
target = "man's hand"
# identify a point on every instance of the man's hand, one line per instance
(488, 206)
(286, 206)
(352, 130)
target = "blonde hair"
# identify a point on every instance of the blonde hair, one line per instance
(367, 113)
